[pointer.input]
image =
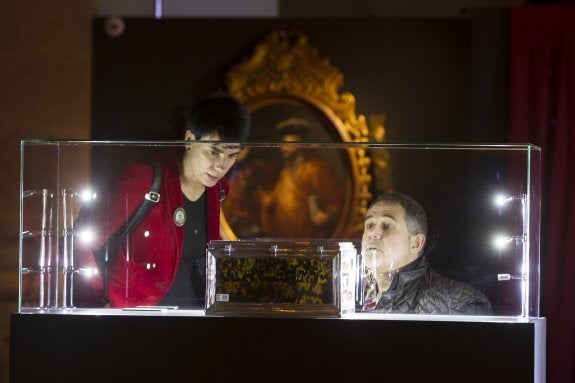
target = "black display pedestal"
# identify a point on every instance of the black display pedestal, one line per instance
(119, 348)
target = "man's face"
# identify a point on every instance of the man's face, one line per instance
(207, 163)
(386, 243)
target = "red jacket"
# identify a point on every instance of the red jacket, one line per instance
(145, 265)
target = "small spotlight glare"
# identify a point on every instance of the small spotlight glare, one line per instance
(501, 200)
(87, 195)
(501, 241)
(87, 235)
(88, 272)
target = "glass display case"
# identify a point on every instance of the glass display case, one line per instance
(290, 214)
(266, 277)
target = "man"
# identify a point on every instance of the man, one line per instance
(398, 278)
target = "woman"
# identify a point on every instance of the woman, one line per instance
(162, 260)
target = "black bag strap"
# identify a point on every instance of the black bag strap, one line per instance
(106, 253)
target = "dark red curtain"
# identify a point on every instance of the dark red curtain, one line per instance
(542, 112)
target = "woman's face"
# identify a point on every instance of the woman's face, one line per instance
(208, 162)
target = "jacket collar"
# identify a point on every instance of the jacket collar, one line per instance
(409, 272)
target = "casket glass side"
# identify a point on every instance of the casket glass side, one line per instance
(265, 277)
(482, 204)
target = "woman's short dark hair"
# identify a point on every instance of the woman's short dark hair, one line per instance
(415, 217)
(220, 113)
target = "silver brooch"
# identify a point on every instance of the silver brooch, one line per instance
(179, 216)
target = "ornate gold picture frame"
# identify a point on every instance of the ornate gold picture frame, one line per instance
(286, 78)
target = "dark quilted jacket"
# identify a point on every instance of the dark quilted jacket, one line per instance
(420, 290)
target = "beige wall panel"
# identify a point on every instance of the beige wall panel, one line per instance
(45, 71)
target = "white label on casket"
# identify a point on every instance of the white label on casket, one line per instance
(222, 297)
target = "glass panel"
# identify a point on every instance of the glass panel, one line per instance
(482, 204)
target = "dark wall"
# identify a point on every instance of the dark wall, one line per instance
(416, 71)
